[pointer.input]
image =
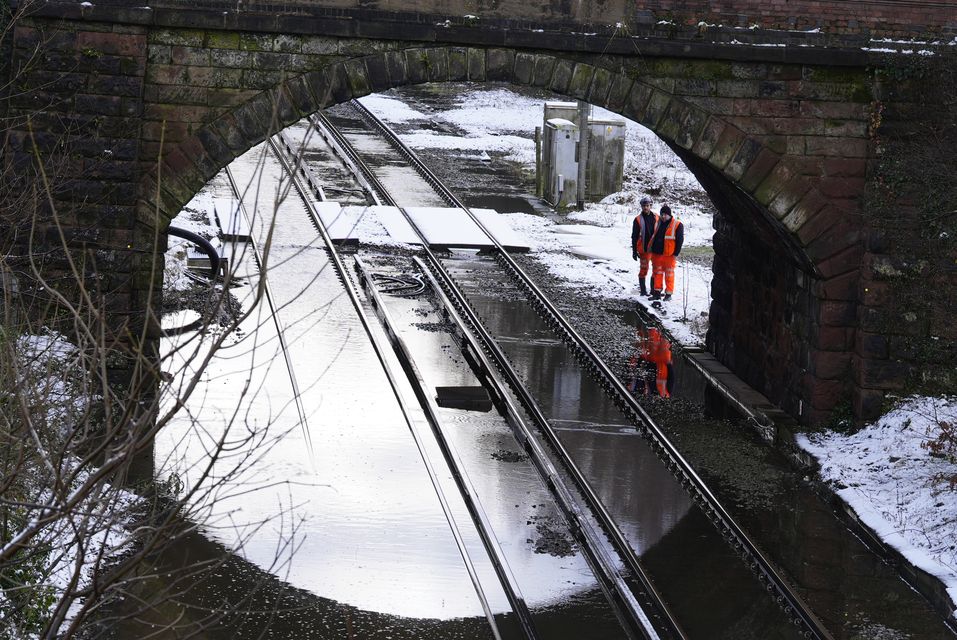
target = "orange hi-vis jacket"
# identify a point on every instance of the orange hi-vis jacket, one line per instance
(670, 234)
(640, 235)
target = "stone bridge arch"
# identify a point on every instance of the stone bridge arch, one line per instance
(778, 137)
(788, 242)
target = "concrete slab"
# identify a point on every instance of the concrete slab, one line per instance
(339, 222)
(395, 224)
(232, 223)
(452, 227)
(443, 227)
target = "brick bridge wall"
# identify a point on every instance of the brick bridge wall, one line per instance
(150, 113)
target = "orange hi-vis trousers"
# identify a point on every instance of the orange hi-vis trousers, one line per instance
(644, 260)
(661, 379)
(663, 272)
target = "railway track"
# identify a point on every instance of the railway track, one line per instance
(639, 607)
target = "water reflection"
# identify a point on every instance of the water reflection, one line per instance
(650, 366)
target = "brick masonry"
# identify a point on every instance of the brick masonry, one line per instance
(151, 113)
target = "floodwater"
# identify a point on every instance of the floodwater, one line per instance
(329, 497)
(331, 527)
(343, 484)
(679, 547)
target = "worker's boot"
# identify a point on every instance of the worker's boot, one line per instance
(667, 296)
(644, 288)
(655, 294)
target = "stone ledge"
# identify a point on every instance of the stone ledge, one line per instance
(779, 431)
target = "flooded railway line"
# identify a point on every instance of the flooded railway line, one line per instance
(574, 579)
(798, 621)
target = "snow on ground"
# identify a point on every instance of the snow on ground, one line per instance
(885, 472)
(73, 545)
(882, 471)
(594, 250)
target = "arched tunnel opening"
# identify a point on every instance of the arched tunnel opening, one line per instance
(764, 277)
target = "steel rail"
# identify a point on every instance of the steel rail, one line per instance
(481, 351)
(334, 138)
(784, 595)
(636, 619)
(483, 526)
(380, 350)
(273, 312)
(462, 479)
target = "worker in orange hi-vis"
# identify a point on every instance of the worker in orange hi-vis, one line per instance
(641, 230)
(665, 246)
(640, 365)
(659, 352)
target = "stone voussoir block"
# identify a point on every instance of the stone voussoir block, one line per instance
(301, 94)
(524, 67)
(777, 181)
(692, 123)
(842, 287)
(655, 109)
(544, 70)
(562, 77)
(581, 80)
(637, 101)
(600, 87)
(708, 139)
(358, 77)
(728, 143)
(809, 205)
(417, 65)
(438, 64)
(377, 70)
(746, 154)
(618, 94)
(789, 197)
(458, 64)
(227, 128)
(339, 89)
(839, 236)
(214, 147)
(842, 262)
(476, 63)
(397, 67)
(501, 64)
(758, 168)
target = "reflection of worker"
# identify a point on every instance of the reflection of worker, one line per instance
(665, 246)
(651, 365)
(641, 231)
